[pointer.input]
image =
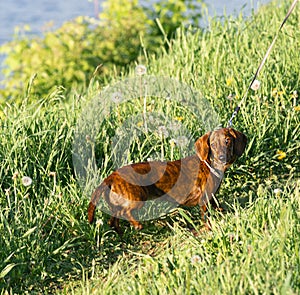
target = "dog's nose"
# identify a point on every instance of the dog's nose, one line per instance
(222, 158)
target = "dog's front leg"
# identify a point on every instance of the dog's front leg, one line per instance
(204, 217)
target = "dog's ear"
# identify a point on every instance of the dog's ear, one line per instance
(240, 141)
(202, 146)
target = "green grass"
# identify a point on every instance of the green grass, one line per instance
(47, 245)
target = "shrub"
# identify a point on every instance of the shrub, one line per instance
(69, 55)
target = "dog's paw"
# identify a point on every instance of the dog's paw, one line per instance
(138, 226)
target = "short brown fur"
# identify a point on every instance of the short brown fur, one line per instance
(190, 181)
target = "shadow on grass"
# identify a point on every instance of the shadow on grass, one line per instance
(67, 248)
(96, 250)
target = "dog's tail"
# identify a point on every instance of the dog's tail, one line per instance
(100, 190)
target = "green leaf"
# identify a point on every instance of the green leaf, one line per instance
(29, 232)
(7, 269)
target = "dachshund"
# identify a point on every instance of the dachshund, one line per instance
(189, 181)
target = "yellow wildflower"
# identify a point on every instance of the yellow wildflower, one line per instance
(275, 92)
(173, 142)
(280, 155)
(280, 93)
(297, 108)
(229, 81)
(179, 118)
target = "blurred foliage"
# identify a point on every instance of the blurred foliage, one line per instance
(83, 47)
(172, 14)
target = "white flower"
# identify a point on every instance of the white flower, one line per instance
(174, 126)
(195, 259)
(163, 131)
(277, 191)
(117, 97)
(255, 85)
(151, 119)
(182, 141)
(26, 181)
(140, 70)
(295, 94)
(99, 223)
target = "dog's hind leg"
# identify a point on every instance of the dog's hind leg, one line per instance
(136, 224)
(114, 223)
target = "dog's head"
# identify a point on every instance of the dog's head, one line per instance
(221, 147)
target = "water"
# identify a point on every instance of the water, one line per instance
(38, 13)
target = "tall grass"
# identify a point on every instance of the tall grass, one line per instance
(46, 245)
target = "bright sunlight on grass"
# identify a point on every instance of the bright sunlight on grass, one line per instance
(47, 245)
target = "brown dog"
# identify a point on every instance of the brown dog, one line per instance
(189, 182)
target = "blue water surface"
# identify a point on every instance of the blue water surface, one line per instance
(40, 15)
